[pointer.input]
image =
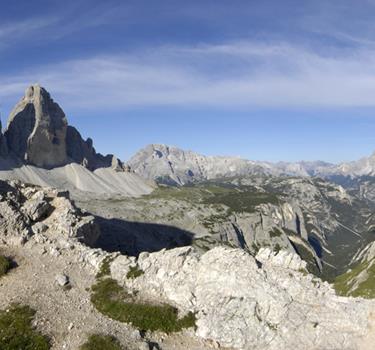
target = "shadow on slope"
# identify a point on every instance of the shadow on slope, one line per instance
(133, 238)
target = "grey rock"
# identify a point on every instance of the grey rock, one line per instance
(37, 207)
(39, 227)
(83, 152)
(252, 303)
(38, 133)
(62, 280)
(3, 144)
(27, 210)
(36, 129)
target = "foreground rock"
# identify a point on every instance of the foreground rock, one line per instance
(30, 210)
(267, 302)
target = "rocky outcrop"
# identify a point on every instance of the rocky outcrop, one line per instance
(38, 133)
(267, 302)
(36, 129)
(83, 152)
(30, 210)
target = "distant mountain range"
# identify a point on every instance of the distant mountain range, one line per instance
(172, 165)
(40, 147)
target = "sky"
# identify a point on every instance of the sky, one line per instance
(265, 80)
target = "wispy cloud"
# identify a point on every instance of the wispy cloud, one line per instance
(49, 27)
(239, 74)
(24, 28)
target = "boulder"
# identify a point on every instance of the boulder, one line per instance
(37, 207)
(62, 280)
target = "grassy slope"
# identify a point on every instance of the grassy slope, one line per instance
(348, 284)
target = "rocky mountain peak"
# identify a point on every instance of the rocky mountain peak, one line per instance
(36, 129)
(38, 133)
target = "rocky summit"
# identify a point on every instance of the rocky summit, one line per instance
(38, 133)
(39, 147)
(175, 250)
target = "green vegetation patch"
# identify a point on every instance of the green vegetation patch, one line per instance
(101, 342)
(242, 199)
(16, 331)
(345, 284)
(105, 268)
(134, 272)
(238, 198)
(5, 265)
(111, 300)
(275, 232)
(206, 243)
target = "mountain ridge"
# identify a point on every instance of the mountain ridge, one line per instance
(171, 164)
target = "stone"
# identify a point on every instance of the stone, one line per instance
(62, 280)
(37, 207)
(39, 227)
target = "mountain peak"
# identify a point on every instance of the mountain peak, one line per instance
(36, 129)
(38, 133)
(36, 91)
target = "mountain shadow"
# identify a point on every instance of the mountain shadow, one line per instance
(133, 238)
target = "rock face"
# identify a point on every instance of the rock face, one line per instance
(31, 210)
(267, 302)
(171, 165)
(36, 130)
(83, 152)
(38, 133)
(3, 144)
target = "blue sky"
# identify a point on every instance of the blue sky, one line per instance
(269, 80)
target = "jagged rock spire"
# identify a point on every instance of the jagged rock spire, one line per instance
(36, 129)
(38, 133)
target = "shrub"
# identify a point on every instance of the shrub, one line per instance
(134, 272)
(16, 331)
(111, 300)
(5, 265)
(105, 268)
(101, 342)
(275, 232)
